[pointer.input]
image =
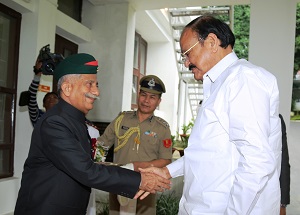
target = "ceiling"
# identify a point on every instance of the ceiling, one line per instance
(159, 4)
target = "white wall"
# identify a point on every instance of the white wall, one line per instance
(161, 62)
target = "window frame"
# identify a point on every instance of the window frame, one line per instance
(137, 71)
(12, 62)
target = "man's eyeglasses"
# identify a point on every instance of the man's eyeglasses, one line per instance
(184, 56)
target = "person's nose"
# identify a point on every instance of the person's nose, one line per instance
(96, 91)
(146, 99)
(186, 63)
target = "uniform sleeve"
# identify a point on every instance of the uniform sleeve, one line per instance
(64, 146)
(165, 147)
(108, 137)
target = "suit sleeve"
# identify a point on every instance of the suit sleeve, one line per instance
(67, 147)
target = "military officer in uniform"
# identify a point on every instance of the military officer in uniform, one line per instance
(140, 139)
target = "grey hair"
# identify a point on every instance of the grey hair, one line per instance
(65, 78)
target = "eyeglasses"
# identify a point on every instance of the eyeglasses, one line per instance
(184, 56)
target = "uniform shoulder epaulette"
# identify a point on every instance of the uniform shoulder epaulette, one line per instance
(162, 121)
(127, 112)
(124, 112)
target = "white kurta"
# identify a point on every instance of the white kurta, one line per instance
(232, 162)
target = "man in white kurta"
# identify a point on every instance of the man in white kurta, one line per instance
(231, 165)
(232, 162)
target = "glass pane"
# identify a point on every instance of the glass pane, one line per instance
(4, 161)
(134, 90)
(143, 59)
(71, 8)
(136, 53)
(4, 44)
(5, 118)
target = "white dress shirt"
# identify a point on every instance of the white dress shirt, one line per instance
(232, 162)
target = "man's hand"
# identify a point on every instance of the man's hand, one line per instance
(163, 172)
(154, 163)
(37, 67)
(151, 183)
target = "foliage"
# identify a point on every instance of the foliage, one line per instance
(241, 30)
(100, 151)
(103, 208)
(167, 204)
(187, 128)
(173, 137)
(297, 41)
(296, 117)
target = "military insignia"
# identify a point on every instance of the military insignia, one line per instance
(162, 122)
(151, 134)
(167, 143)
(151, 83)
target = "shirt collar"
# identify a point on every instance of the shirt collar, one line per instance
(221, 66)
(150, 118)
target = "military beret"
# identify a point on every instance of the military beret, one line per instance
(152, 84)
(76, 64)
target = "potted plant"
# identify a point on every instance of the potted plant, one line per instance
(181, 144)
(186, 133)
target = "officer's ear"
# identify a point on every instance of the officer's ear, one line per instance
(66, 88)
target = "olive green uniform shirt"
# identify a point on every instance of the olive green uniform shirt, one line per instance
(155, 137)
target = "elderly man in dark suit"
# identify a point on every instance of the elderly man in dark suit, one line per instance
(59, 171)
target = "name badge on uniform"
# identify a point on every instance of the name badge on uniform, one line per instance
(124, 127)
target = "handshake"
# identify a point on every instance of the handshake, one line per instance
(153, 180)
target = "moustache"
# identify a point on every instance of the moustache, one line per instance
(191, 66)
(91, 96)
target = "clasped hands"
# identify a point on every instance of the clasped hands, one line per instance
(153, 180)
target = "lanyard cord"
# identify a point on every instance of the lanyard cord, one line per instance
(122, 140)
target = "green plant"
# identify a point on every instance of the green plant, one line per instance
(102, 208)
(187, 128)
(167, 204)
(186, 133)
(173, 140)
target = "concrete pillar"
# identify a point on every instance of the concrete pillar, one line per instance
(113, 45)
(272, 30)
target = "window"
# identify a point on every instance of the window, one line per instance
(10, 22)
(71, 8)
(65, 48)
(139, 66)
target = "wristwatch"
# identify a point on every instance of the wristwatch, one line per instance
(283, 205)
